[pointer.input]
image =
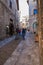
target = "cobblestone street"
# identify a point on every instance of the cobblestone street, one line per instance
(26, 53)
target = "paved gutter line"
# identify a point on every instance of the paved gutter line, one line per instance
(6, 41)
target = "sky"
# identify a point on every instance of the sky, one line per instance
(24, 8)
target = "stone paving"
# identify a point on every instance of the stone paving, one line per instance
(27, 52)
(6, 41)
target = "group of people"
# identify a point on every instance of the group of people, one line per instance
(19, 31)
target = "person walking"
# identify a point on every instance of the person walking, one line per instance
(23, 33)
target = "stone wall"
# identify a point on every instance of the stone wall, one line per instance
(40, 29)
(1, 20)
(5, 15)
(32, 17)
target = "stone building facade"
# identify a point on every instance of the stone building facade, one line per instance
(32, 15)
(40, 28)
(8, 10)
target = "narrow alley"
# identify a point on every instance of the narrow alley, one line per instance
(21, 32)
(26, 53)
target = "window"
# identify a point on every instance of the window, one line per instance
(35, 11)
(10, 4)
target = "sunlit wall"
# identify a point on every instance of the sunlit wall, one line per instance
(23, 8)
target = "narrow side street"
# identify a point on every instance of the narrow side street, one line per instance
(26, 53)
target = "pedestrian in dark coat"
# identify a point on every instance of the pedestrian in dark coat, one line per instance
(23, 33)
